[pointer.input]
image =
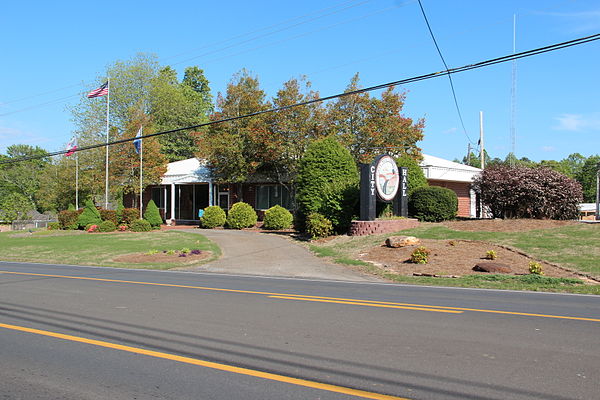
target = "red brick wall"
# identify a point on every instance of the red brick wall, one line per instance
(462, 192)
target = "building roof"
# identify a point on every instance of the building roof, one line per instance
(445, 170)
(191, 170)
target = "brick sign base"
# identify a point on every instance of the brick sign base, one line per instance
(362, 228)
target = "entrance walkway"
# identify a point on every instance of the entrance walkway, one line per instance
(267, 254)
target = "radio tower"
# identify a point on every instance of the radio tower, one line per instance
(513, 96)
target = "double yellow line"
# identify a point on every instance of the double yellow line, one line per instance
(322, 299)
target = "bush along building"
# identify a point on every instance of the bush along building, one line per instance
(188, 187)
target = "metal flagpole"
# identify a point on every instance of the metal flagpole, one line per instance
(76, 181)
(107, 141)
(141, 169)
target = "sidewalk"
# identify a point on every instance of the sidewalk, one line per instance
(269, 254)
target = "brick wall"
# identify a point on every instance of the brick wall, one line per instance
(362, 228)
(462, 192)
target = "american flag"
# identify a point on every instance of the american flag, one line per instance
(101, 91)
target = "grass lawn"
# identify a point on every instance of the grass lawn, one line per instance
(574, 246)
(79, 248)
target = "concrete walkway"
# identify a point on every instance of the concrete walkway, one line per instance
(269, 254)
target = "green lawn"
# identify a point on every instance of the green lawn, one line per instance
(574, 246)
(79, 248)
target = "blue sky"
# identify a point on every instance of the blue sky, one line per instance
(54, 51)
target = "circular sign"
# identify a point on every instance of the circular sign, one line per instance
(387, 178)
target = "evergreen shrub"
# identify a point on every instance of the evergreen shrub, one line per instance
(152, 215)
(71, 207)
(433, 204)
(416, 177)
(317, 226)
(327, 183)
(89, 216)
(277, 217)
(108, 215)
(213, 216)
(68, 219)
(128, 215)
(52, 226)
(107, 226)
(241, 215)
(140, 225)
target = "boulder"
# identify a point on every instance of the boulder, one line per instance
(492, 267)
(402, 241)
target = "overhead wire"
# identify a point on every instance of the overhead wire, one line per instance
(464, 68)
(449, 76)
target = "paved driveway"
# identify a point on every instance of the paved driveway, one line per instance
(269, 254)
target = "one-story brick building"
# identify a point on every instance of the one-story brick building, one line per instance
(187, 187)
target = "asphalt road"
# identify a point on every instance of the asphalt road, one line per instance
(97, 333)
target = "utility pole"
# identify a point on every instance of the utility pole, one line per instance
(598, 192)
(482, 151)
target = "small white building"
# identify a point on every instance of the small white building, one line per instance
(455, 176)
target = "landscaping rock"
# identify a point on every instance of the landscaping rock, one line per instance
(402, 241)
(492, 267)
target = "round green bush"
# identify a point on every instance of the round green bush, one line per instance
(107, 226)
(317, 226)
(140, 225)
(89, 216)
(213, 216)
(433, 204)
(277, 217)
(241, 215)
(152, 215)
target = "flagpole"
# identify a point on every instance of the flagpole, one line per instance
(76, 181)
(107, 141)
(141, 170)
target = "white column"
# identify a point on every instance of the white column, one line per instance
(172, 201)
(210, 193)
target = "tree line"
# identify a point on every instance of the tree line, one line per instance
(145, 94)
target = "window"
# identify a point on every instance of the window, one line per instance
(268, 196)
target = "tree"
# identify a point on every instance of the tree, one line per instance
(523, 192)
(23, 177)
(175, 105)
(327, 183)
(14, 206)
(239, 148)
(587, 178)
(367, 126)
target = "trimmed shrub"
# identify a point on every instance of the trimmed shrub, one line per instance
(71, 208)
(241, 215)
(107, 226)
(140, 225)
(433, 204)
(90, 215)
(152, 215)
(68, 219)
(52, 226)
(213, 216)
(327, 183)
(523, 192)
(317, 226)
(278, 217)
(416, 177)
(108, 215)
(128, 215)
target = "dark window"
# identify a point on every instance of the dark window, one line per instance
(268, 196)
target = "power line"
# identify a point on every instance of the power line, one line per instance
(449, 76)
(464, 68)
